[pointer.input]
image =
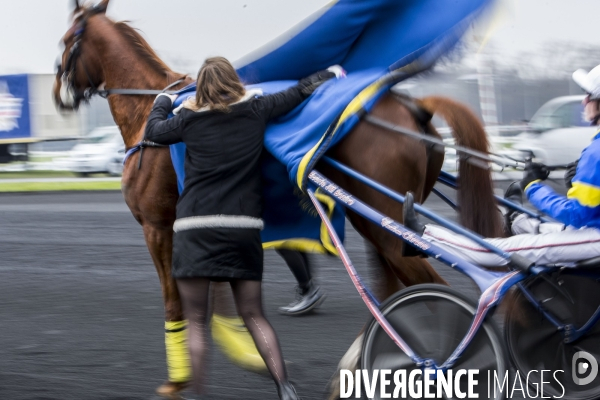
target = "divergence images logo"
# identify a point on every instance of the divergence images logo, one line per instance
(10, 109)
(584, 363)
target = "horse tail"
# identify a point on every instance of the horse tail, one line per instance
(478, 210)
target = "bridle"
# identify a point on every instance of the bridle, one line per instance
(68, 75)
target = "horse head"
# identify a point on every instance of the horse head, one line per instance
(79, 72)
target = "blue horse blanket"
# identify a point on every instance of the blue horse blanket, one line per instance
(378, 43)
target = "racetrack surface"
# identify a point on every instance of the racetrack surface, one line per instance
(81, 311)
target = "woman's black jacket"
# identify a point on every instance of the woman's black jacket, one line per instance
(222, 160)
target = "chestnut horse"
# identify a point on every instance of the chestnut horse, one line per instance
(99, 52)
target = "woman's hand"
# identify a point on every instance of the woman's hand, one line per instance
(312, 82)
(338, 71)
(173, 97)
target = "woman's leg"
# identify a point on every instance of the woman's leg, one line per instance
(298, 263)
(309, 294)
(194, 297)
(248, 299)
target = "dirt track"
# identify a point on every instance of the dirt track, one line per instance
(81, 312)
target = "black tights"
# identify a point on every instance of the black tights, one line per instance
(248, 300)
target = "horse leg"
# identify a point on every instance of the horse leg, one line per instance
(381, 275)
(402, 165)
(160, 242)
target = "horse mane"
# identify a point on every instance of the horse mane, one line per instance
(141, 47)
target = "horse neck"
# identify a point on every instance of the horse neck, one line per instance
(123, 68)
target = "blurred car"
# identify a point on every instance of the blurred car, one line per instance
(557, 133)
(98, 152)
(115, 165)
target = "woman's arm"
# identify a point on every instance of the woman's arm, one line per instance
(161, 130)
(281, 103)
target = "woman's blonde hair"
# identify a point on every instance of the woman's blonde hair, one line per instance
(217, 86)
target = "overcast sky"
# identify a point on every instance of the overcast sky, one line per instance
(187, 31)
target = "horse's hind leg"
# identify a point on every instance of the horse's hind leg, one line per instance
(160, 241)
(409, 270)
(381, 275)
(413, 270)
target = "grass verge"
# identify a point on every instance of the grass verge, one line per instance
(37, 174)
(58, 186)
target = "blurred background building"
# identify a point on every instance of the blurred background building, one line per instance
(29, 120)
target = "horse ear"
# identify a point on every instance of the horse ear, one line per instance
(103, 5)
(77, 6)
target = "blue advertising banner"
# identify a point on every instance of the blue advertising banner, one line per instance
(14, 107)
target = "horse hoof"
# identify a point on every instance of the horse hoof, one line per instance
(172, 390)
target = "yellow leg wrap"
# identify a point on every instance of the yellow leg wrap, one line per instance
(178, 357)
(232, 336)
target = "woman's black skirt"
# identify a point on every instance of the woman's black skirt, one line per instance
(220, 254)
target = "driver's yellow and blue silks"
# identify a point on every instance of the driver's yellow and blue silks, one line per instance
(369, 39)
(581, 206)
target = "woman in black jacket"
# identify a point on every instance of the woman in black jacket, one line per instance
(219, 211)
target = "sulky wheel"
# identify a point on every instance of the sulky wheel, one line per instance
(432, 320)
(536, 344)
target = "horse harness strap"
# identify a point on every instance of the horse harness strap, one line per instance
(423, 118)
(140, 147)
(422, 115)
(140, 92)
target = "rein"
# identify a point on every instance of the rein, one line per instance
(139, 92)
(474, 157)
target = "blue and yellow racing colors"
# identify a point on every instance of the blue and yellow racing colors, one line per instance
(581, 206)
